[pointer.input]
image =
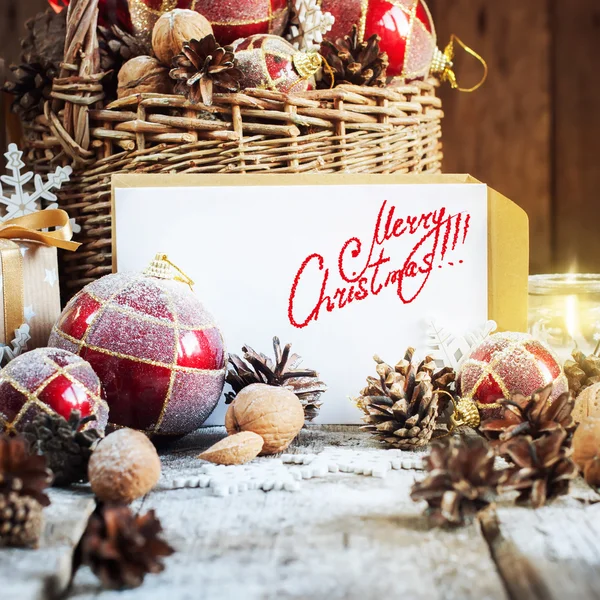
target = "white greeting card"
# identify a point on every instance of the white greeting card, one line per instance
(342, 270)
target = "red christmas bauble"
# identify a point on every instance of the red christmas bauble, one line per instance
(505, 364)
(270, 62)
(405, 27)
(110, 12)
(53, 381)
(157, 351)
(230, 20)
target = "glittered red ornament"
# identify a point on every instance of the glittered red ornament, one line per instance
(270, 62)
(157, 351)
(53, 381)
(505, 364)
(110, 12)
(405, 27)
(231, 19)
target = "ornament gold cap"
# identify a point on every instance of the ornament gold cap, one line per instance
(443, 65)
(162, 268)
(307, 63)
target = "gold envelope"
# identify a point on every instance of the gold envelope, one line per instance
(508, 227)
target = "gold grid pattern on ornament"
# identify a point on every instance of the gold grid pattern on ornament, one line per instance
(32, 397)
(489, 369)
(172, 366)
(413, 22)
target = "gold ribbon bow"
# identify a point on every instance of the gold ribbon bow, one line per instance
(27, 228)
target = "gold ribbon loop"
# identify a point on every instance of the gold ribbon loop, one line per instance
(27, 228)
(443, 64)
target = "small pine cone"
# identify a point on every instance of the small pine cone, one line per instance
(121, 547)
(66, 447)
(258, 368)
(583, 371)
(20, 521)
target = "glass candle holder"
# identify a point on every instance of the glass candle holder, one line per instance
(564, 312)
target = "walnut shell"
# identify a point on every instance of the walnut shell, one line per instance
(174, 28)
(143, 75)
(274, 413)
(586, 442)
(587, 404)
(237, 449)
(124, 466)
(592, 472)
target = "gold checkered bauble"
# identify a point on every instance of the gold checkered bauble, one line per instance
(49, 380)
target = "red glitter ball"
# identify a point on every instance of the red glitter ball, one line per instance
(53, 381)
(266, 61)
(230, 19)
(157, 351)
(506, 364)
(405, 27)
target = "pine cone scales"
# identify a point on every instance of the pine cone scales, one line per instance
(354, 62)
(258, 368)
(583, 371)
(66, 447)
(202, 66)
(543, 468)
(20, 521)
(535, 416)
(400, 407)
(121, 547)
(22, 472)
(461, 480)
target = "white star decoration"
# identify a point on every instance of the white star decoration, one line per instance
(29, 313)
(51, 277)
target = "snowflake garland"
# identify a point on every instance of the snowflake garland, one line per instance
(22, 202)
(308, 24)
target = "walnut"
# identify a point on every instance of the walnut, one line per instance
(586, 442)
(173, 29)
(143, 75)
(124, 466)
(274, 413)
(237, 449)
(587, 403)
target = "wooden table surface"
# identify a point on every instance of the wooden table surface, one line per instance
(340, 536)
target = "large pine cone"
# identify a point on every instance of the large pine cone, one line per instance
(400, 407)
(20, 521)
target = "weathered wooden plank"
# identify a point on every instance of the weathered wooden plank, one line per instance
(45, 572)
(501, 134)
(340, 537)
(577, 139)
(547, 554)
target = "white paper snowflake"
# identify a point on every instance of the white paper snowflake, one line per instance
(450, 349)
(23, 202)
(308, 24)
(17, 347)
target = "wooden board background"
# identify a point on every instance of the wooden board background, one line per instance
(532, 132)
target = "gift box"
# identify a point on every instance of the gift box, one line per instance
(29, 279)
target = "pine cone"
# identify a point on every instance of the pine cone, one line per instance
(461, 480)
(66, 447)
(400, 407)
(121, 547)
(116, 48)
(583, 371)
(258, 368)
(354, 62)
(202, 66)
(535, 416)
(22, 472)
(543, 468)
(20, 521)
(42, 52)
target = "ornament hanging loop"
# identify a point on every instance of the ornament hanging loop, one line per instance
(443, 64)
(162, 268)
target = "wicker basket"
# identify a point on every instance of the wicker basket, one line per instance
(347, 129)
